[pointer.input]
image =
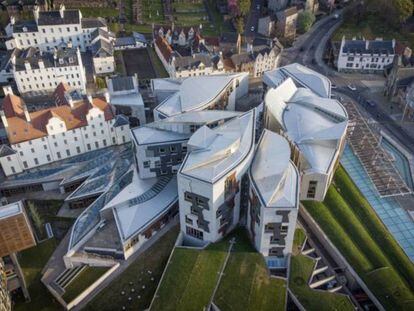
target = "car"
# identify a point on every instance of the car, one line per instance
(333, 86)
(252, 29)
(351, 87)
(371, 103)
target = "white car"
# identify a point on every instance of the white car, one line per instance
(352, 87)
(252, 29)
(333, 86)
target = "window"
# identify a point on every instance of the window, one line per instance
(13, 170)
(48, 157)
(270, 227)
(349, 65)
(188, 220)
(194, 233)
(68, 152)
(173, 149)
(32, 150)
(8, 159)
(25, 164)
(312, 189)
(58, 155)
(56, 144)
(45, 147)
(146, 164)
(36, 161)
(78, 150)
(96, 144)
(163, 172)
(350, 59)
(104, 142)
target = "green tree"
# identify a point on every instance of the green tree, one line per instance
(404, 9)
(239, 24)
(305, 20)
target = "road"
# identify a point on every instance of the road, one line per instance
(253, 18)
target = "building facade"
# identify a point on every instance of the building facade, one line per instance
(315, 127)
(15, 230)
(50, 29)
(209, 180)
(273, 199)
(365, 56)
(5, 302)
(37, 71)
(287, 22)
(76, 126)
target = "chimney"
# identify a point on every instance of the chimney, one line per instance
(4, 119)
(366, 44)
(36, 13)
(7, 90)
(107, 97)
(27, 114)
(62, 10)
(27, 65)
(12, 20)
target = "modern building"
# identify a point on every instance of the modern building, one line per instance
(39, 71)
(365, 56)
(302, 76)
(161, 146)
(315, 127)
(15, 230)
(218, 92)
(124, 95)
(50, 29)
(273, 199)
(209, 180)
(5, 302)
(76, 125)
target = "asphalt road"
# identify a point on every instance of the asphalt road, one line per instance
(253, 19)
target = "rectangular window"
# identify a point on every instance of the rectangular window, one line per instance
(48, 157)
(312, 189)
(188, 220)
(88, 146)
(78, 150)
(36, 161)
(68, 152)
(96, 144)
(194, 233)
(146, 164)
(58, 154)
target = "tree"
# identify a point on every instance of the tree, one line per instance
(404, 9)
(305, 20)
(244, 6)
(239, 25)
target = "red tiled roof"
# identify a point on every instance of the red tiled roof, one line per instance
(19, 130)
(164, 47)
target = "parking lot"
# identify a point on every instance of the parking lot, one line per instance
(137, 61)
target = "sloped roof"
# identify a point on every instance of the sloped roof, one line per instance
(213, 153)
(275, 178)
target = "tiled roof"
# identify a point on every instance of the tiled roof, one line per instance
(373, 47)
(164, 47)
(19, 129)
(54, 17)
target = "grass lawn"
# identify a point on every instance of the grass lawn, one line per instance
(372, 27)
(99, 12)
(156, 62)
(41, 212)
(192, 275)
(85, 279)
(154, 260)
(300, 273)
(298, 240)
(129, 28)
(32, 262)
(351, 224)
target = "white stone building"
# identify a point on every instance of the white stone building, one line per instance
(315, 127)
(273, 199)
(76, 126)
(35, 71)
(365, 56)
(50, 29)
(217, 92)
(209, 180)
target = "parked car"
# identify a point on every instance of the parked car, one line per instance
(371, 103)
(352, 87)
(252, 29)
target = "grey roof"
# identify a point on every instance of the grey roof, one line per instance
(124, 41)
(64, 57)
(99, 32)
(102, 48)
(5, 63)
(139, 37)
(25, 26)
(93, 22)
(374, 47)
(54, 17)
(193, 61)
(120, 120)
(122, 84)
(6, 151)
